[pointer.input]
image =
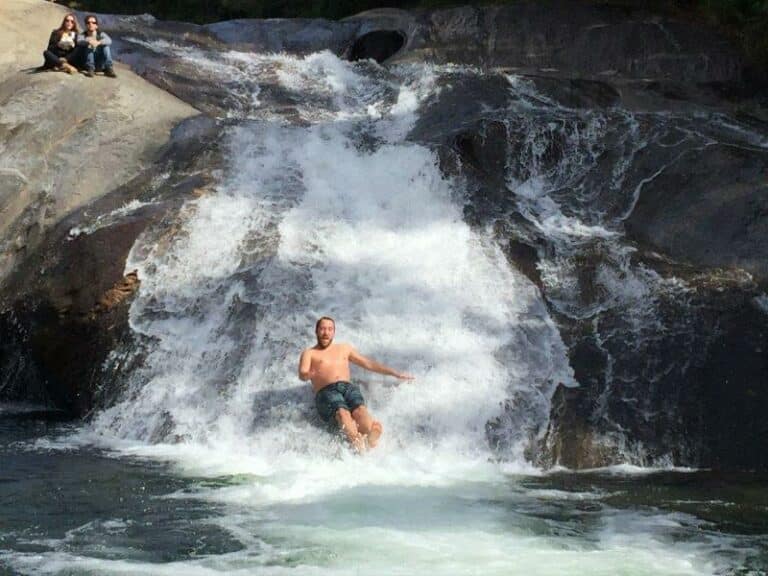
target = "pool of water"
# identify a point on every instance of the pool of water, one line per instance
(70, 508)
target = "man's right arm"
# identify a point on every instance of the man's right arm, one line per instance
(305, 363)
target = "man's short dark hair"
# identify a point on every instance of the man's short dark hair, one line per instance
(317, 325)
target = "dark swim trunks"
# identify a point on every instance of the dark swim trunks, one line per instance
(337, 395)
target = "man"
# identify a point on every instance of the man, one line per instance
(96, 45)
(326, 365)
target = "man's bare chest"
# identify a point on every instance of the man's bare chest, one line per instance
(329, 361)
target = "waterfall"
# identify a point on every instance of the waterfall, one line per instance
(337, 214)
(330, 200)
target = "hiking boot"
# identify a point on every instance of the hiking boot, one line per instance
(68, 68)
(110, 72)
(88, 72)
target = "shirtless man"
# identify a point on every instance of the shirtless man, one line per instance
(327, 365)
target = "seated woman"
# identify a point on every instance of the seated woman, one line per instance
(97, 48)
(62, 46)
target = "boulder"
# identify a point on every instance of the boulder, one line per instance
(75, 152)
(66, 140)
(651, 308)
(571, 39)
(64, 308)
(709, 208)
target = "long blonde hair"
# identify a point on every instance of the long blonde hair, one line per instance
(63, 28)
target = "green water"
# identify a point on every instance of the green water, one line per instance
(77, 510)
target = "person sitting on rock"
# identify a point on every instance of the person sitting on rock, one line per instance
(62, 46)
(96, 44)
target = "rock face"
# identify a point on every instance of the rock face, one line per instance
(66, 140)
(37, 19)
(65, 307)
(710, 207)
(646, 233)
(573, 39)
(560, 39)
(70, 146)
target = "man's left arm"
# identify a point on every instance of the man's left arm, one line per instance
(356, 358)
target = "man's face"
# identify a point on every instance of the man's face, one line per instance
(325, 333)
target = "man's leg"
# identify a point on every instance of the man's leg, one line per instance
(108, 69)
(90, 61)
(348, 425)
(367, 426)
(78, 57)
(103, 59)
(98, 58)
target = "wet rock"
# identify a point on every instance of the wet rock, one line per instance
(705, 410)
(64, 308)
(294, 35)
(651, 368)
(571, 439)
(710, 208)
(577, 92)
(56, 332)
(576, 40)
(734, 390)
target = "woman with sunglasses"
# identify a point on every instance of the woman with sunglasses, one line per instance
(96, 43)
(62, 45)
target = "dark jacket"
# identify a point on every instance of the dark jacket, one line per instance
(53, 44)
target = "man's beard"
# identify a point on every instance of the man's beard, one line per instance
(323, 347)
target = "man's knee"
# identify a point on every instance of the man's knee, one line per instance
(360, 412)
(343, 417)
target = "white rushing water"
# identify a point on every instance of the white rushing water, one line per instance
(342, 216)
(312, 221)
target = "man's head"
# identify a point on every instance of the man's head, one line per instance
(325, 329)
(91, 23)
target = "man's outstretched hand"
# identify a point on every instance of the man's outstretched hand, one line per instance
(402, 376)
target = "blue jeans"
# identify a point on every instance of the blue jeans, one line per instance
(99, 58)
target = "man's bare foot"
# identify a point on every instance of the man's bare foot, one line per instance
(374, 434)
(359, 443)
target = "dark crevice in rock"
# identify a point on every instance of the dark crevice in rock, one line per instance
(379, 45)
